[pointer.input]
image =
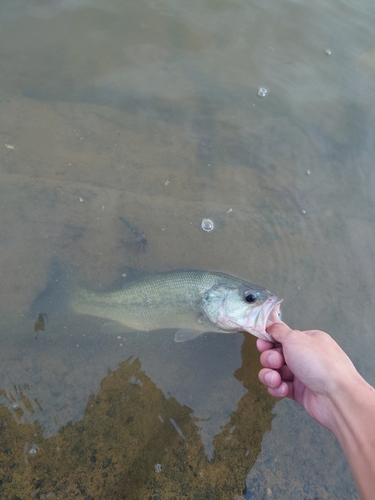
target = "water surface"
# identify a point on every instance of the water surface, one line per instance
(150, 112)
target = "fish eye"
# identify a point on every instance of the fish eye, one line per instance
(250, 297)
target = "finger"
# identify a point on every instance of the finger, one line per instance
(270, 378)
(272, 358)
(285, 390)
(264, 345)
(286, 374)
(278, 331)
(276, 362)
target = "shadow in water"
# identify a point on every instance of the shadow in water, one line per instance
(133, 442)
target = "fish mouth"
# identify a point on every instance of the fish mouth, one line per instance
(266, 315)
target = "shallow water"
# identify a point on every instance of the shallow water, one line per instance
(150, 112)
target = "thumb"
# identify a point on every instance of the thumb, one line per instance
(279, 331)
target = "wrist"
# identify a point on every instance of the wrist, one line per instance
(351, 396)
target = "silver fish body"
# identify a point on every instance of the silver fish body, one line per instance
(193, 302)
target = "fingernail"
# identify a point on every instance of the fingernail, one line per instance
(268, 378)
(281, 390)
(272, 359)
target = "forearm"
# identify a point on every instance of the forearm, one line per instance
(354, 427)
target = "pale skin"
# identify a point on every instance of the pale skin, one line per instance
(312, 369)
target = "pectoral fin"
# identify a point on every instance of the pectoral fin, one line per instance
(182, 335)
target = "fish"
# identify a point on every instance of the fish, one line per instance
(192, 302)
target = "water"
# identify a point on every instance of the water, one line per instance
(149, 113)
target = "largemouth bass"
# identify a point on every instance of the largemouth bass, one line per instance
(193, 302)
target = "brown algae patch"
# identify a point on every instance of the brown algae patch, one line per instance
(132, 443)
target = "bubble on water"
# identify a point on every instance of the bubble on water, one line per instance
(328, 52)
(262, 91)
(308, 171)
(303, 212)
(207, 225)
(33, 450)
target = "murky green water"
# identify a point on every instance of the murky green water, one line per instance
(148, 111)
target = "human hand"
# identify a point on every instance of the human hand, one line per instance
(307, 366)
